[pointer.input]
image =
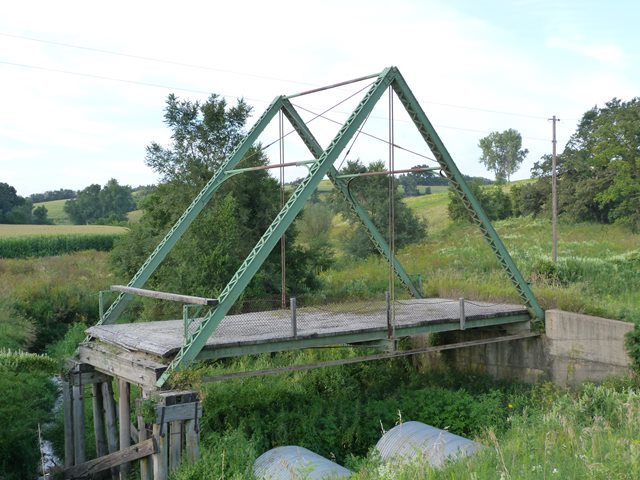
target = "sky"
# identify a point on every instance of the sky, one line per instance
(84, 84)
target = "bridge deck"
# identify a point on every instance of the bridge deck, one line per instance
(328, 325)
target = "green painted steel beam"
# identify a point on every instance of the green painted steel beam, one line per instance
(192, 211)
(365, 174)
(377, 334)
(301, 163)
(278, 227)
(468, 198)
(374, 234)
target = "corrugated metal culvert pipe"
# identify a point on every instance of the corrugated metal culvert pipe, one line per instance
(291, 462)
(411, 439)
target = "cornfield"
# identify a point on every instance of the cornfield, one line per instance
(43, 246)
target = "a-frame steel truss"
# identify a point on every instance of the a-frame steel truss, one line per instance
(324, 165)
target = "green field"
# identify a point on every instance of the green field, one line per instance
(134, 216)
(8, 231)
(432, 208)
(55, 211)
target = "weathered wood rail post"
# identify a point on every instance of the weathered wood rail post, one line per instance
(176, 429)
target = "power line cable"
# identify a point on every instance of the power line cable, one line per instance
(123, 80)
(246, 74)
(237, 97)
(152, 59)
(321, 115)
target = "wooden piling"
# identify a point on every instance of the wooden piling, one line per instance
(98, 426)
(98, 420)
(78, 424)
(192, 441)
(110, 422)
(146, 469)
(175, 444)
(161, 457)
(67, 405)
(124, 413)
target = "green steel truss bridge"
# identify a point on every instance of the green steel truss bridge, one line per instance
(148, 353)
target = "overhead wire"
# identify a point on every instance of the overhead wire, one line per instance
(283, 136)
(237, 97)
(152, 59)
(318, 115)
(221, 70)
(400, 147)
(122, 80)
(353, 141)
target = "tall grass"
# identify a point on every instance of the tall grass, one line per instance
(40, 298)
(593, 433)
(597, 270)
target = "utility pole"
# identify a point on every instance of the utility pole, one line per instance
(554, 196)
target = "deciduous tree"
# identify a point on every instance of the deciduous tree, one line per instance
(599, 169)
(203, 134)
(502, 153)
(99, 205)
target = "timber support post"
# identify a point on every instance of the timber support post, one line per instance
(124, 414)
(98, 424)
(67, 405)
(78, 417)
(164, 433)
(146, 468)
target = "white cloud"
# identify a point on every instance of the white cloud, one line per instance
(608, 53)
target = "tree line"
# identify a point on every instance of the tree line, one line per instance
(598, 172)
(15, 209)
(93, 205)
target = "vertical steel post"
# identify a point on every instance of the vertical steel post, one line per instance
(463, 318)
(341, 185)
(100, 304)
(185, 322)
(294, 320)
(387, 299)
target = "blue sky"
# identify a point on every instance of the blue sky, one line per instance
(476, 67)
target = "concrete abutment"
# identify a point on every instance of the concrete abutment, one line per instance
(574, 348)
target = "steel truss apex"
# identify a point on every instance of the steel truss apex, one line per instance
(317, 169)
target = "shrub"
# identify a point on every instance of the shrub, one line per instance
(27, 398)
(340, 410)
(632, 345)
(53, 307)
(496, 203)
(16, 331)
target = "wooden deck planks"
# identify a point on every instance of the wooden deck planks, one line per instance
(164, 338)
